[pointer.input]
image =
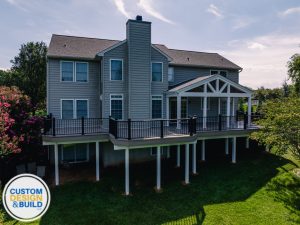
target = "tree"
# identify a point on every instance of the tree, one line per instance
(294, 71)
(29, 69)
(280, 127)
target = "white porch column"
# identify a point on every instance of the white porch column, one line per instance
(204, 112)
(203, 150)
(247, 142)
(56, 164)
(228, 112)
(126, 171)
(233, 106)
(158, 169)
(233, 150)
(226, 146)
(178, 156)
(167, 109)
(194, 159)
(178, 111)
(249, 111)
(187, 163)
(97, 162)
(168, 152)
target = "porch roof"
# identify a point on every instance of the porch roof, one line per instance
(212, 85)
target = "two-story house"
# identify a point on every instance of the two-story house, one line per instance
(114, 101)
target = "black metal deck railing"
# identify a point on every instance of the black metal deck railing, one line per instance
(140, 129)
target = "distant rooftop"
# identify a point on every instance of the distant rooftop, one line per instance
(63, 46)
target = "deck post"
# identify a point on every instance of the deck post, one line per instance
(233, 150)
(204, 111)
(203, 150)
(97, 162)
(247, 142)
(158, 169)
(228, 112)
(219, 105)
(56, 164)
(194, 159)
(226, 146)
(178, 111)
(178, 156)
(187, 163)
(249, 111)
(126, 171)
(167, 110)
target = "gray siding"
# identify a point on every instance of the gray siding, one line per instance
(115, 87)
(182, 74)
(139, 68)
(58, 90)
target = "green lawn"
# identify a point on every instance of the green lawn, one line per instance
(259, 189)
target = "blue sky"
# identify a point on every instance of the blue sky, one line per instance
(258, 35)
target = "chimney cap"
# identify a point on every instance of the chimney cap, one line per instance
(139, 18)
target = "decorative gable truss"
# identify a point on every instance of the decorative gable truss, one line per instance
(210, 86)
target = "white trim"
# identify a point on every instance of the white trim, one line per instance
(208, 103)
(162, 104)
(122, 98)
(87, 149)
(116, 59)
(161, 151)
(61, 62)
(87, 72)
(110, 48)
(162, 72)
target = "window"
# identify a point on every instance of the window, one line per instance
(157, 72)
(66, 71)
(171, 74)
(81, 108)
(81, 72)
(75, 153)
(156, 107)
(116, 106)
(219, 72)
(116, 69)
(67, 110)
(153, 151)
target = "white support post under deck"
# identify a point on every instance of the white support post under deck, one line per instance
(204, 112)
(194, 159)
(158, 169)
(126, 171)
(203, 150)
(97, 162)
(187, 163)
(233, 150)
(56, 164)
(178, 112)
(228, 112)
(249, 111)
(178, 156)
(226, 146)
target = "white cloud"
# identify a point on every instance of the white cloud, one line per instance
(290, 11)
(121, 7)
(241, 23)
(215, 11)
(263, 58)
(146, 5)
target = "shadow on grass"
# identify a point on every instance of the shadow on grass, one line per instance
(218, 181)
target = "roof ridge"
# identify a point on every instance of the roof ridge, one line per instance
(84, 37)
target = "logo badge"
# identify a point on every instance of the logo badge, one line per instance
(26, 197)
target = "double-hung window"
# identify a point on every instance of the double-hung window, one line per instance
(116, 69)
(171, 74)
(156, 107)
(219, 72)
(81, 71)
(157, 71)
(74, 108)
(116, 106)
(67, 71)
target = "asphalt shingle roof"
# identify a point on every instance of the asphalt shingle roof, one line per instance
(87, 48)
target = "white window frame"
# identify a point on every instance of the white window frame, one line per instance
(122, 98)
(61, 62)
(173, 74)
(110, 69)
(75, 106)
(87, 154)
(219, 72)
(87, 72)
(162, 105)
(162, 72)
(161, 151)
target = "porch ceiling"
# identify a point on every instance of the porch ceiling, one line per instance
(210, 86)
